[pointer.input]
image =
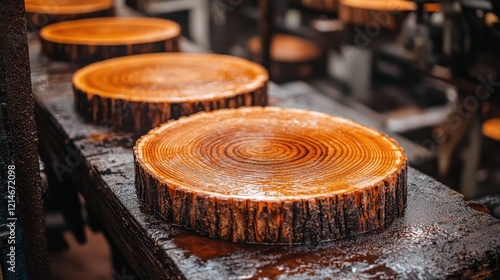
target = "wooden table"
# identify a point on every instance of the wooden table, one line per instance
(440, 235)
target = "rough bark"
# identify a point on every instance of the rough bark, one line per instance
(163, 34)
(86, 53)
(284, 220)
(386, 14)
(138, 115)
(292, 58)
(38, 20)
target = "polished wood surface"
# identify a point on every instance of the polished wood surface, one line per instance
(271, 175)
(111, 31)
(387, 14)
(66, 6)
(439, 236)
(101, 38)
(139, 92)
(491, 129)
(288, 48)
(43, 12)
(292, 57)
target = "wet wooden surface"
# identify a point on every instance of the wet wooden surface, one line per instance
(440, 234)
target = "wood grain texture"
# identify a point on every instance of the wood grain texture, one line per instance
(89, 40)
(271, 175)
(40, 13)
(292, 57)
(439, 237)
(385, 14)
(137, 93)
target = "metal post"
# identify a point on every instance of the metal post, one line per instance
(21, 134)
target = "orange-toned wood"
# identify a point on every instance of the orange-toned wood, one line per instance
(322, 5)
(88, 40)
(292, 57)
(40, 13)
(136, 93)
(387, 14)
(288, 48)
(271, 175)
(491, 129)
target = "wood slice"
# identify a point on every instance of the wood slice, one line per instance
(372, 14)
(330, 6)
(136, 93)
(271, 175)
(88, 40)
(292, 57)
(491, 129)
(40, 13)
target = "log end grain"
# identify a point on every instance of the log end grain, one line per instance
(271, 175)
(491, 129)
(385, 14)
(292, 57)
(139, 92)
(40, 13)
(89, 40)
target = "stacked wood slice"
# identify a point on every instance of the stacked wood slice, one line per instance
(374, 14)
(292, 57)
(136, 93)
(88, 40)
(329, 6)
(40, 13)
(271, 175)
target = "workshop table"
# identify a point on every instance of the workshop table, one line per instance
(440, 234)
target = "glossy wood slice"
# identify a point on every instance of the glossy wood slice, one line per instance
(292, 57)
(491, 129)
(271, 175)
(372, 14)
(330, 6)
(40, 13)
(136, 93)
(88, 40)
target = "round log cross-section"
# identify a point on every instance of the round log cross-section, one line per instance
(292, 57)
(136, 93)
(40, 13)
(271, 175)
(89, 40)
(373, 14)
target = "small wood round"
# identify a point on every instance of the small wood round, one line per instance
(88, 40)
(491, 129)
(386, 14)
(271, 175)
(40, 13)
(330, 6)
(136, 93)
(288, 48)
(292, 57)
